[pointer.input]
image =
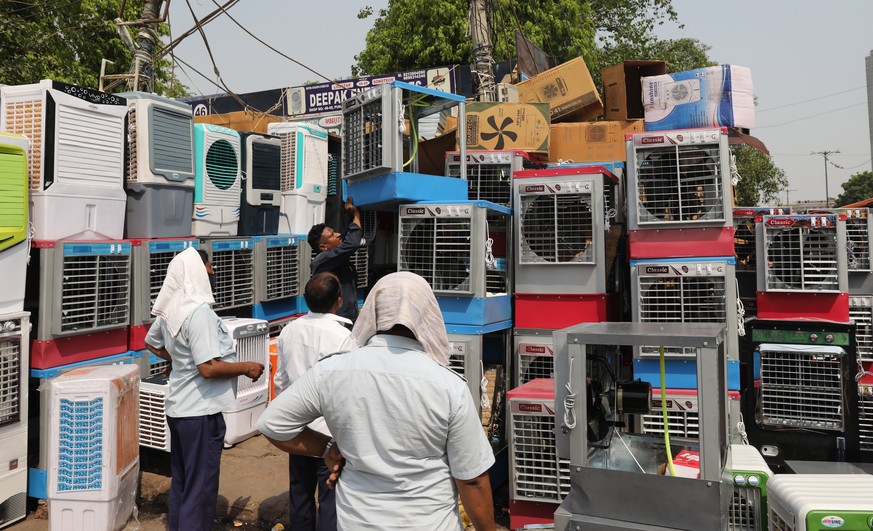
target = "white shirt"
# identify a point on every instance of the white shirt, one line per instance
(406, 426)
(302, 343)
(201, 338)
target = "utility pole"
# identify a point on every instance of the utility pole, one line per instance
(480, 32)
(142, 66)
(826, 154)
(787, 200)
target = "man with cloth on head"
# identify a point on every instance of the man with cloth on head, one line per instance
(404, 423)
(202, 384)
(301, 344)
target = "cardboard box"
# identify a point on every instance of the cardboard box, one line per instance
(622, 91)
(496, 126)
(567, 88)
(716, 96)
(591, 141)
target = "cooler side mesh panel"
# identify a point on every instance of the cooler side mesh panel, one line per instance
(24, 117)
(283, 272)
(153, 430)
(800, 389)
(865, 420)
(744, 243)
(81, 445)
(363, 137)
(132, 159)
(159, 262)
(487, 182)
(858, 244)
(681, 423)
(862, 315)
(95, 292)
(233, 278)
(801, 259)
(533, 366)
(252, 348)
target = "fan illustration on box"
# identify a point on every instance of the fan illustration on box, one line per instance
(500, 132)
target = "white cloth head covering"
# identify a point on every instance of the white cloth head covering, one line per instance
(185, 288)
(406, 299)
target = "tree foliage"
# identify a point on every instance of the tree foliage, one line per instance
(760, 179)
(857, 188)
(66, 41)
(412, 34)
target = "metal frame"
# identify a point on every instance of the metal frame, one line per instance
(490, 173)
(810, 248)
(598, 497)
(374, 127)
(454, 235)
(233, 261)
(281, 266)
(83, 287)
(674, 277)
(568, 254)
(711, 188)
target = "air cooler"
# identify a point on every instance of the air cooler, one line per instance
(861, 312)
(536, 473)
(14, 341)
(39, 428)
(858, 230)
(456, 247)
(304, 169)
(490, 173)
(149, 262)
(93, 448)
(683, 418)
(76, 157)
(381, 128)
(685, 291)
(14, 220)
(281, 267)
(817, 502)
(562, 226)
(151, 365)
(250, 338)
(679, 179)
(153, 429)
(470, 350)
(233, 262)
(217, 181)
(160, 167)
(261, 195)
(745, 236)
(80, 299)
(534, 355)
(749, 474)
(361, 259)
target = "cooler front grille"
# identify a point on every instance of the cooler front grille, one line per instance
(10, 380)
(95, 292)
(556, 229)
(533, 366)
(862, 315)
(802, 260)
(865, 419)
(283, 272)
(89, 148)
(234, 280)
(802, 390)
(487, 182)
(538, 473)
(858, 243)
(251, 348)
(132, 159)
(439, 250)
(745, 512)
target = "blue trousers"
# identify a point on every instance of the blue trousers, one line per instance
(306, 473)
(195, 461)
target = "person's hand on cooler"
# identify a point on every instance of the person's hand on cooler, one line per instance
(254, 370)
(353, 211)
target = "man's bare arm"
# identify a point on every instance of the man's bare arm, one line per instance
(476, 496)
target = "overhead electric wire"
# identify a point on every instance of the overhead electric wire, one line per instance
(811, 99)
(811, 116)
(295, 61)
(198, 24)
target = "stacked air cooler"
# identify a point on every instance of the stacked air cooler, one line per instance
(746, 249)
(160, 167)
(217, 181)
(261, 187)
(14, 357)
(489, 173)
(93, 448)
(281, 270)
(682, 264)
(303, 175)
(381, 131)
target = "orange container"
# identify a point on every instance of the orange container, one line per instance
(274, 355)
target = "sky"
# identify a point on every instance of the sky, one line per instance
(807, 62)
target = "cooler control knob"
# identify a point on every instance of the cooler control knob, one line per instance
(813, 338)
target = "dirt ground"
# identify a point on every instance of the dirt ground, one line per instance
(252, 495)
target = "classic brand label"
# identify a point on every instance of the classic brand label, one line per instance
(534, 188)
(415, 211)
(780, 222)
(657, 270)
(531, 408)
(652, 140)
(534, 349)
